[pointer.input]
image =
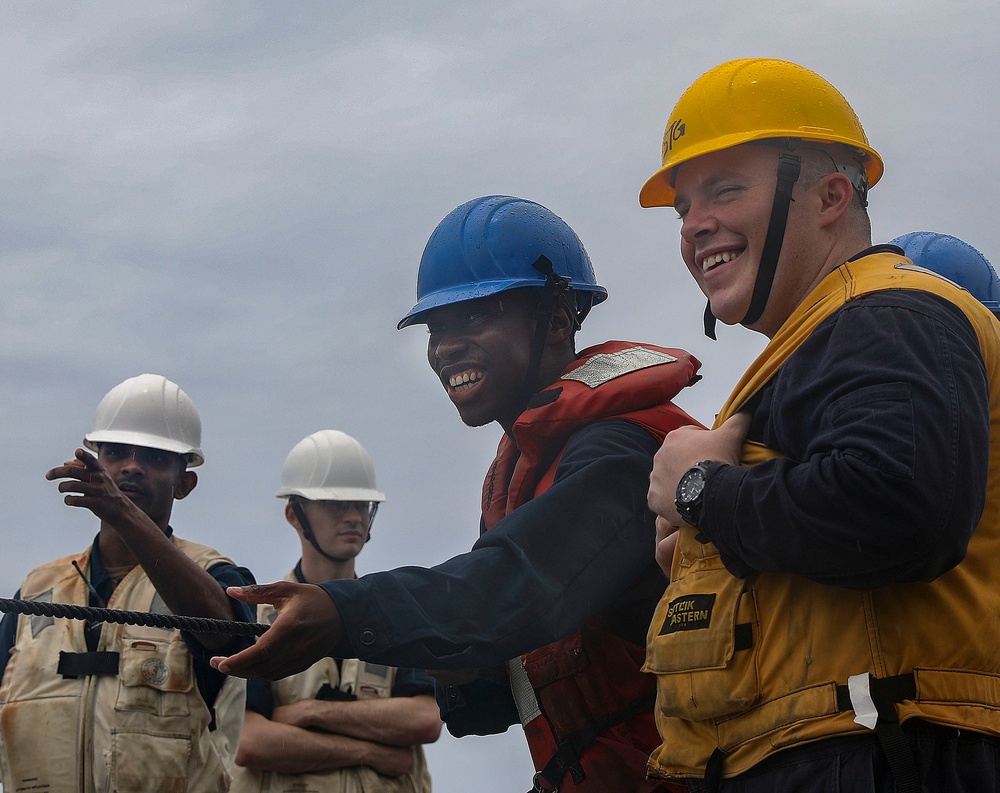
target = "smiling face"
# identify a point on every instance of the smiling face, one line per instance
(480, 351)
(724, 200)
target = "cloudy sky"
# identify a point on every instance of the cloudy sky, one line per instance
(236, 195)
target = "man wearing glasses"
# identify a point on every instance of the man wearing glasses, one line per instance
(340, 724)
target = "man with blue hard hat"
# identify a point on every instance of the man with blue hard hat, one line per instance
(956, 260)
(551, 605)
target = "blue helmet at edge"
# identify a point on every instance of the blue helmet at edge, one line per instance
(957, 261)
(489, 245)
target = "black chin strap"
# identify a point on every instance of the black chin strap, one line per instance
(555, 285)
(789, 166)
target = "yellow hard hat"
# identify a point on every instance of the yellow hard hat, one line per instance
(755, 99)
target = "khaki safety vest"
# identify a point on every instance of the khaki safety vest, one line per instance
(751, 666)
(144, 730)
(363, 680)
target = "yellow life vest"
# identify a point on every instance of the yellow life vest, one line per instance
(363, 680)
(759, 672)
(144, 729)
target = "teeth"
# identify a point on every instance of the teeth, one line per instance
(464, 378)
(718, 258)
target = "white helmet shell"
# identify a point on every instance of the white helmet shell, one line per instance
(151, 411)
(329, 465)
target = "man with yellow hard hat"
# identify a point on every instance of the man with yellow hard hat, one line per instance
(831, 617)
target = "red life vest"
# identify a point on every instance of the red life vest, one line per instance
(595, 728)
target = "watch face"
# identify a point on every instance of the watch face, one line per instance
(690, 486)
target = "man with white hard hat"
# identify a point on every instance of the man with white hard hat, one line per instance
(339, 725)
(90, 706)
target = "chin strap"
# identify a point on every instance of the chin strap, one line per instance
(555, 286)
(710, 321)
(789, 166)
(307, 531)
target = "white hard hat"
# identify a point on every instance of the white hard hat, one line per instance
(329, 465)
(151, 411)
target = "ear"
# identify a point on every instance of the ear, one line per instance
(835, 193)
(188, 481)
(562, 323)
(291, 517)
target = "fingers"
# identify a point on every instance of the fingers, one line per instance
(78, 468)
(665, 548)
(272, 594)
(738, 426)
(257, 662)
(664, 528)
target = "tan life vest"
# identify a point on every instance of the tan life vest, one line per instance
(363, 680)
(144, 729)
(748, 667)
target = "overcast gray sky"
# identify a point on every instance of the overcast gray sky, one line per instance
(236, 195)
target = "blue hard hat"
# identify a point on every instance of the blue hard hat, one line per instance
(957, 261)
(491, 244)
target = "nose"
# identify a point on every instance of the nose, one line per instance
(445, 346)
(698, 223)
(354, 511)
(132, 463)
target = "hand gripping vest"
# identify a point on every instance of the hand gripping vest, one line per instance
(765, 661)
(139, 724)
(354, 678)
(585, 705)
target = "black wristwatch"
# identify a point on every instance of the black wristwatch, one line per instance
(690, 493)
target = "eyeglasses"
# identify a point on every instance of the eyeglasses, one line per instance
(338, 509)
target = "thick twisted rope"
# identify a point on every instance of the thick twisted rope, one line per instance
(122, 617)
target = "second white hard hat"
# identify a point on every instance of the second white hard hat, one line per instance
(329, 465)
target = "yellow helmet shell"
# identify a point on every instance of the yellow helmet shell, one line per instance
(754, 99)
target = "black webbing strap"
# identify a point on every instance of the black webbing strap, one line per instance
(710, 322)
(555, 285)
(789, 166)
(75, 665)
(566, 760)
(885, 693)
(713, 771)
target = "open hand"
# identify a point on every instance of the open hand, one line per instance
(306, 629)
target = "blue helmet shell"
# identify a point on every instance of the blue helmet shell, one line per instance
(957, 261)
(488, 245)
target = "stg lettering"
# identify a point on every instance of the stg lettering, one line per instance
(674, 133)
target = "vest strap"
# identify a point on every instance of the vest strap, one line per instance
(566, 760)
(885, 693)
(73, 665)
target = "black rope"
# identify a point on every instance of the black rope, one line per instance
(122, 617)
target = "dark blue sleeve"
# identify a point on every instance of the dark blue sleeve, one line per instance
(482, 707)
(208, 679)
(537, 575)
(8, 635)
(412, 682)
(882, 416)
(260, 697)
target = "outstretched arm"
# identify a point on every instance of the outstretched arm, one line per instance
(535, 576)
(184, 586)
